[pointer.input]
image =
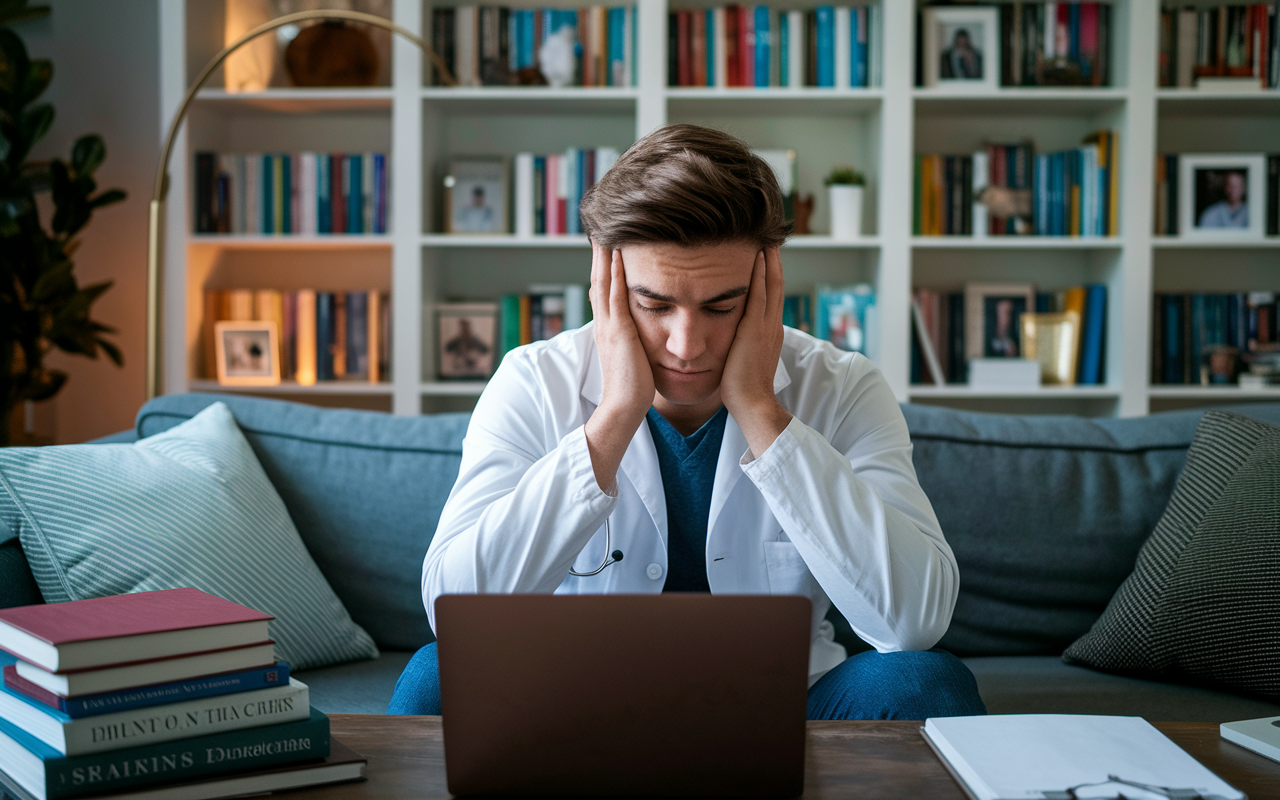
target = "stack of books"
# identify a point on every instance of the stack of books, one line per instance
(1055, 44)
(1216, 339)
(1071, 193)
(323, 335)
(171, 693)
(757, 46)
(499, 46)
(1228, 47)
(542, 313)
(549, 189)
(283, 193)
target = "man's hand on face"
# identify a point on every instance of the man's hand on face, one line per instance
(628, 388)
(746, 386)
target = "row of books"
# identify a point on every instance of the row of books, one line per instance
(1055, 44)
(548, 189)
(500, 46)
(1009, 190)
(1224, 47)
(323, 335)
(758, 46)
(951, 328)
(290, 193)
(167, 694)
(1215, 338)
(1170, 194)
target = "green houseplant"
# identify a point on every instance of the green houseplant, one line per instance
(42, 307)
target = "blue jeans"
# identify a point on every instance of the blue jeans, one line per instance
(914, 684)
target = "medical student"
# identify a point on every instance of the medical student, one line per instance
(715, 449)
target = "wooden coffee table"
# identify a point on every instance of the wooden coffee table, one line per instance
(844, 759)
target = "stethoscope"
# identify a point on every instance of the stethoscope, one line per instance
(609, 558)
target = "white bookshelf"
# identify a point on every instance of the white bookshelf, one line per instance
(877, 129)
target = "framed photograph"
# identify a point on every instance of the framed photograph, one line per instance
(475, 196)
(248, 353)
(1054, 341)
(961, 48)
(992, 313)
(1222, 196)
(468, 340)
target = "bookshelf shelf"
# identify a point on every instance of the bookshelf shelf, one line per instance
(749, 101)
(449, 240)
(1212, 393)
(1017, 243)
(290, 387)
(291, 241)
(1056, 101)
(453, 388)
(531, 99)
(960, 392)
(1178, 243)
(1195, 103)
(300, 101)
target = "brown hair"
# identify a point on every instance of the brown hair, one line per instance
(688, 185)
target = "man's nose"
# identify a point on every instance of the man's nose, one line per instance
(685, 340)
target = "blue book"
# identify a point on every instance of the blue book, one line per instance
(355, 194)
(711, 47)
(1095, 314)
(1197, 335)
(1173, 330)
(286, 192)
(268, 194)
(784, 49)
(825, 24)
(325, 318)
(357, 335)
(762, 45)
(145, 696)
(379, 193)
(324, 183)
(857, 46)
(44, 772)
(617, 48)
(573, 157)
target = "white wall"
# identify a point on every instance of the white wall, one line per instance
(106, 61)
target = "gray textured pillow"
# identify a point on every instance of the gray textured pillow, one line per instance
(1203, 602)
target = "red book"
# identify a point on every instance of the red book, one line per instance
(85, 634)
(731, 61)
(1089, 38)
(684, 69)
(337, 202)
(698, 47)
(746, 47)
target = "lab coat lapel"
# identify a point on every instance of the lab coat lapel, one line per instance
(640, 466)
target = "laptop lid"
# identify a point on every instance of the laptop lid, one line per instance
(614, 695)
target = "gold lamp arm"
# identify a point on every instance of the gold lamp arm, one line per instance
(161, 188)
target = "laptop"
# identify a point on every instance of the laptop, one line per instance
(624, 695)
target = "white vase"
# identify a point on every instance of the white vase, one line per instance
(846, 211)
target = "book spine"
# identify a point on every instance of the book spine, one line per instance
(826, 36)
(366, 193)
(1094, 323)
(842, 54)
(338, 192)
(720, 47)
(353, 183)
(187, 758)
(357, 341)
(524, 194)
(339, 344)
(324, 336)
(763, 46)
(324, 183)
(379, 193)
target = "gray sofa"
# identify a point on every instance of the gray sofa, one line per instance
(1046, 516)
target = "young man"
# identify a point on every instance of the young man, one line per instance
(716, 449)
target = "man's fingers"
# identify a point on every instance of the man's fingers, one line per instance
(773, 284)
(758, 294)
(599, 282)
(618, 286)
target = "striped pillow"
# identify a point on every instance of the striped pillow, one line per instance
(187, 507)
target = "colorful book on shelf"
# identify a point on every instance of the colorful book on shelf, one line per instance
(91, 705)
(846, 317)
(549, 189)
(1055, 44)
(1205, 47)
(184, 719)
(103, 631)
(1188, 328)
(47, 774)
(546, 311)
(341, 765)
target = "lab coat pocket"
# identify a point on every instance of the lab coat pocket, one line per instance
(788, 574)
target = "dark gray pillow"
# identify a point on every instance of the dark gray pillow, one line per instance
(1203, 602)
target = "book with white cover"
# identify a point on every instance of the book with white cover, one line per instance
(160, 670)
(1043, 756)
(1262, 736)
(148, 725)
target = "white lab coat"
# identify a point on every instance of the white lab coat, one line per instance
(831, 510)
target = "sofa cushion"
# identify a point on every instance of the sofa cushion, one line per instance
(1045, 514)
(190, 507)
(1203, 601)
(361, 687)
(1045, 685)
(365, 490)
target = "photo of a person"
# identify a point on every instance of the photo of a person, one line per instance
(1222, 198)
(962, 60)
(467, 345)
(248, 353)
(466, 351)
(476, 196)
(477, 216)
(1001, 318)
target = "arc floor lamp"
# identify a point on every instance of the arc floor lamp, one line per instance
(155, 242)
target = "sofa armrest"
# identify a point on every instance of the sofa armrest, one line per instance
(17, 584)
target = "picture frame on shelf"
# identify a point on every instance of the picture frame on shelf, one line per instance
(467, 340)
(961, 48)
(247, 353)
(1222, 196)
(1053, 339)
(992, 314)
(475, 196)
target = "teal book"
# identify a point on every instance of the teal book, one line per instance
(48, 775)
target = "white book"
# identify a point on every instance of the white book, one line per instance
(1088, 189)
(1033, 756)
(1262, 736)
(155, 724)
(1050, 30)
(929, 43)
(606, 157)
(1185, 48)
(366, 192)
(464, 42)
(795, 49)
(926, 344)
(308, 211)
(844, 47)
(524, 194)
(575, 306)
(980, 170)
(875, 56)
(722, 68)
(253, 193)
(109, 679)
(622, 70)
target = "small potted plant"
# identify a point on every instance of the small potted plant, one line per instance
(844, 190)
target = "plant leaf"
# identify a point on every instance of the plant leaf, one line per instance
(13, 64)
(87, 154)
(34, 124)
(107, 198)
(45, 384)
(53, 281)
(111, 350)
(35, 81)
(5, 147)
